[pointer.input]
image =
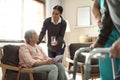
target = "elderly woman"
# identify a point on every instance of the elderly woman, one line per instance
(32, 55)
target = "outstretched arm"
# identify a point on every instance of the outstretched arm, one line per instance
(42, 33)
(96, 12)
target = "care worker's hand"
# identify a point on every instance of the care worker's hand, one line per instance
(96, 45)
(115, 49)
(54, 43)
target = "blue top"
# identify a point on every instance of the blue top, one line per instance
(101, 3)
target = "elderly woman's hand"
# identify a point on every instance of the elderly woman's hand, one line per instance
(115, 49)
(50, 61)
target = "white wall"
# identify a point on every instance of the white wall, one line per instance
(50, 4)
(70, 13)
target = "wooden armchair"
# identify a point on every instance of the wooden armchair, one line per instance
(72, 48)
(10, 64)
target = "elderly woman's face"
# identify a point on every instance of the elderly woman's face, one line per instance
(34, 38)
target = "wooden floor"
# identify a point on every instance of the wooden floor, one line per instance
(78, 77)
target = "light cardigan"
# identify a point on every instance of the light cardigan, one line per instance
(28, 56)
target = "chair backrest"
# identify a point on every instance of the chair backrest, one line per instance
(10, 55)
(74, 46)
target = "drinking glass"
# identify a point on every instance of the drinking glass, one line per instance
(53, 40)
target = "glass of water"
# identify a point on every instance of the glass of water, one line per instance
(53, 40)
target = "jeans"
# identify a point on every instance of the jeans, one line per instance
(55, 71)
(51, 69)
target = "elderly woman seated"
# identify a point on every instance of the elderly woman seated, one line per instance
(32, 55)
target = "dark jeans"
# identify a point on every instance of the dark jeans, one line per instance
(54, 54)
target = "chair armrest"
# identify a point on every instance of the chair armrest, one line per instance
(16, 68)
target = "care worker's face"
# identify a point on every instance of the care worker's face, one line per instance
(56, 14)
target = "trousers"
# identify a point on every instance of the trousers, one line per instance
(55, 71)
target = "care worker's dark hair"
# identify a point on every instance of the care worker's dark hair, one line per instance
(59, 8)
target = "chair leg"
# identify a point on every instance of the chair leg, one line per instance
(82, 73)
(92, 78)
(31, 76)
(3, 73)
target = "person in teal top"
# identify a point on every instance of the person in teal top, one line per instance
(105, 64)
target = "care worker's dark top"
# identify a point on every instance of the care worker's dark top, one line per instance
(57, 30)
(110, 17)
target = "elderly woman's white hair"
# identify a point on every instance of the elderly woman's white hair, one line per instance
(29, 34)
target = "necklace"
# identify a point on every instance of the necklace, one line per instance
(34, 49)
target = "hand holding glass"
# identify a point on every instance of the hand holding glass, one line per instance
(53, 40)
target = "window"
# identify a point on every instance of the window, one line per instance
(17, 16)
